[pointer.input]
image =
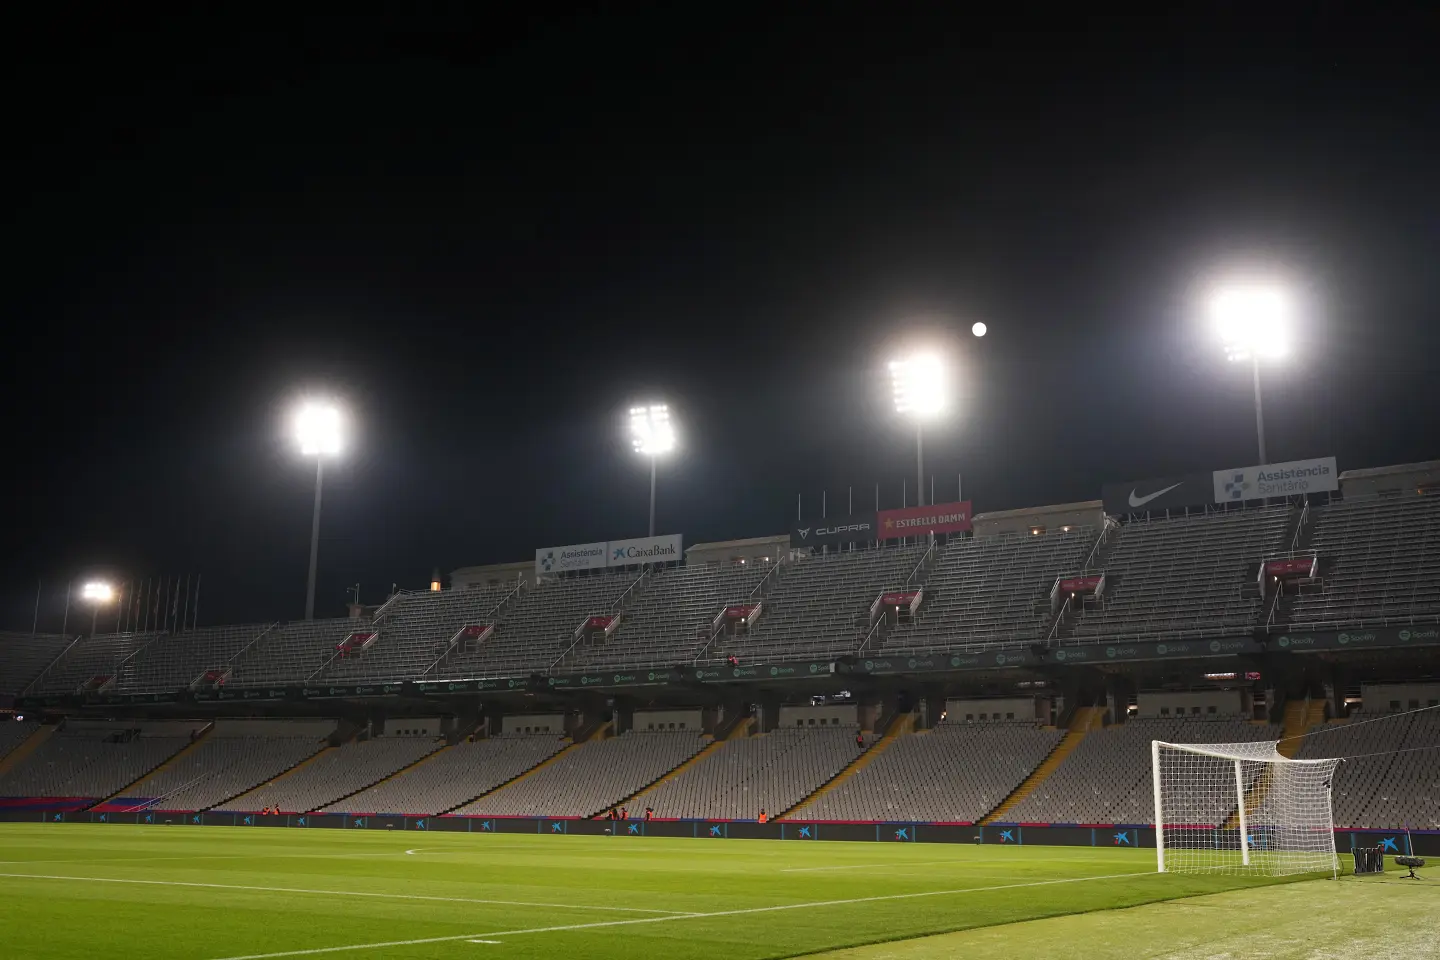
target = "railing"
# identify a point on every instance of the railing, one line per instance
(874, 632)
(384, 608)
(43, 673)
(924, 558)
(1105, 529)
(490, 617)
(256, 639)
(639, 581)
(774, 571)
(1060, 616)
(1300, 527)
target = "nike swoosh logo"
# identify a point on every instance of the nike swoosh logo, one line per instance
(1141, 501)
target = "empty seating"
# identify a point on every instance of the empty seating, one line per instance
(89, 658)
(956, 773)
(1107, 778)
(237, 755)
(291, 652)
(591, 777)
(335, 774)
(1379, 786)
(23, 656)
(175, 660)
(771, 772)
(1184, 576)
(821, 606)
(94, 760)
(992, 590)
(12, 734)
(454, 776)
(1380, 563)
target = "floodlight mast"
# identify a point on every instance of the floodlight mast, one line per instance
(919, 383)
(652, 434)
(96, 592)
(1253, 320)
(317, 428)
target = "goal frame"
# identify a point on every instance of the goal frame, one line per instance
(1236, 758)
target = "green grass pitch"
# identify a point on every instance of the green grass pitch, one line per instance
(215, 893)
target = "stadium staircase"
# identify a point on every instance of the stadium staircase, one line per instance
(517, 778)
(1082, 722)
(1062, 624)
(129, 789)
(902, 724)
(28, 746)
(1300, 716)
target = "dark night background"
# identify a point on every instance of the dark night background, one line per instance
(490, 237)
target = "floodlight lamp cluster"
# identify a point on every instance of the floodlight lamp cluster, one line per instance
(97, 592)
(920, 385)
(651, 431)
(1253, 322)
(318, 429)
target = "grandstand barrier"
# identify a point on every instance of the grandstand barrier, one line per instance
(1425, 843)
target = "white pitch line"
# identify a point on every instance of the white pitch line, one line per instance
(350, 893)
(693, 916)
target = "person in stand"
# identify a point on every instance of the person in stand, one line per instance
(624, 813)
(649, 814)
(859, 739)
(763, 818)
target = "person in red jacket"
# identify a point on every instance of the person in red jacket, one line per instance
(763, 818)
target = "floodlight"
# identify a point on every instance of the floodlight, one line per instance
(97, 592)
(317, 427)
(651, 431)
(1253, 321)
(920, 384)
(979, 329)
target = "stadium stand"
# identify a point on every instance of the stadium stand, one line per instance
(233, 758)
(1380, 563)
(1107, 778)
(955, 773)
(774, 771)
(416, 632)
(23, 656)
(454, 776)
(538, 628)
(590, 777)
(94, 759)
(1387, 790)
(175, 660)
(670, 621)
(334, 774)
(90, 661)
(821, 606)
(13, 734)
(991, 590)
(291, 652)
(1184, 576)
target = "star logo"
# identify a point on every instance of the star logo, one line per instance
(1389, 843)
(715, 831)
(805, 833)
(903, 833)
(1122, 838)
(1007, 836)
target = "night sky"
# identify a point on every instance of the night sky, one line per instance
(490, 237)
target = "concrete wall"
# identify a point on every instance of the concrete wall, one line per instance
(1398, 697)
(831, 714)
(536, 723)
(1088, 513)
(761, 550)
(273, 728)
(413, 727)
(467, 578)
(1008, 708)
(1404, 479)
(1167, 703)
(662, 719)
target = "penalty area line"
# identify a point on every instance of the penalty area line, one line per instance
(482, 937)
(672, 914)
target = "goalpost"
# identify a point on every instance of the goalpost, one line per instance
(1241, 809)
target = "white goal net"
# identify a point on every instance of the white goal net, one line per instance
(1242, 809)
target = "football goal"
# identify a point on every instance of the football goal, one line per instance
(1242, 809)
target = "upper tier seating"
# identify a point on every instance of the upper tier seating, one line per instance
(992, 590)
(94, 759)
(1184, 576)
(1380, 563)
(175, 660)
(335, 774)
(821, 606)
(415, 632)
(291, 652)
(88, 658)
(1107, 778)
(13, 734)
(540, 626)
(23, 656)
(591, 777)
(956, 773)
(237, 755)
(454, 776)
(670, 620)
(771, 772)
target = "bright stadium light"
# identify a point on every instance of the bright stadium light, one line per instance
(1253, 322)
(320, 434)
(922, 392)
(652, 434)
(979, 329)
(97, 593)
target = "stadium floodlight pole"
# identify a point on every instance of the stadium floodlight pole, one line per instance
(921, 391)
(96, 593)
(653, 435)
(317, 428)
(1253, 322)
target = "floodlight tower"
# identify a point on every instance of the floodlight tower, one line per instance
(653, 435)
(318, 431)
(97, 594)
(1253, 323)
(921, 385)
